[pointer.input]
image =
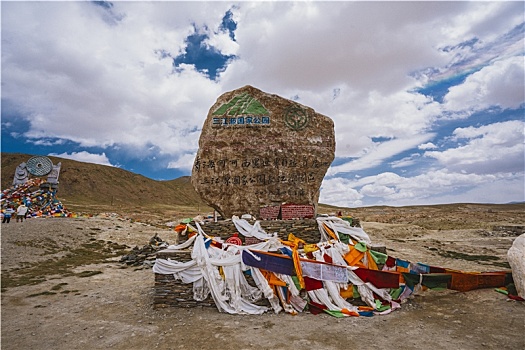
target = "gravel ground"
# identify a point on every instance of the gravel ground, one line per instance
(63, 287)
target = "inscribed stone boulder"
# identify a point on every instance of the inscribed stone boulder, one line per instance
(260, 150)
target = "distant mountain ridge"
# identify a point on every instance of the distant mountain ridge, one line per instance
(95, 188)
(87, 184)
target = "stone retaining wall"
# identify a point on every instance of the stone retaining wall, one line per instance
(306, 229)
(171, 292)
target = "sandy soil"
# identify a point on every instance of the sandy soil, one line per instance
(58, 294)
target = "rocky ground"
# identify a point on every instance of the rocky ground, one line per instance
(64, 287)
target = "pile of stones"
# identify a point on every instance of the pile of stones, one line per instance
(504, 231)
(146, 255)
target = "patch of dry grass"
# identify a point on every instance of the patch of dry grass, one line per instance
(88, 253)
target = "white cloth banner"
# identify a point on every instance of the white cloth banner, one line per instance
(187, 272)
(339, 225)
(248, 230)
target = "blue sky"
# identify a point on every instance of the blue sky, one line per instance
(427, 98)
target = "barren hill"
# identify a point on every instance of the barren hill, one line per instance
(94, 188)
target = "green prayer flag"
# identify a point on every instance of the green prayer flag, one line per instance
(296, 282)
(383, 308)
(361, 246)
(335, 313)
(502, 291)
(344, 238)
(348, 219)
(355, 292)
(379, 258)
(395, 293)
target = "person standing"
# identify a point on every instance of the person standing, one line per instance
(21, 212)
(7, 214)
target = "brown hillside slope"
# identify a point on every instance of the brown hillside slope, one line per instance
(95, 188)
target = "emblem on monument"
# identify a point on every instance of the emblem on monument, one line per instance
(242, 110)
(296, 118)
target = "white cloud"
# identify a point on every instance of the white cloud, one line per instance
(85, 157)
(406, 162)
(433, 187)
(402, 115)
(428, 145)
(377, 191)
(504, 189)
(386, 179)
(339, 191)
(500, 84)
(379, 153)
(100, 85)
(493, 148)
(46, 142)
(111, 81)
(485, 19)
(301, 48)
(185, 162)
(222, 42)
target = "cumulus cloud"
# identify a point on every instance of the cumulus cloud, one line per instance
(298, 32)
(222, 41)
(116, 81)
(492, 148)
(185, 162)
(339, 191)
(103, 85)
(500, 84)
(402, 115)
(428, 145)
(503, 189)
(85, 157)
(377, 191)
(47, 142)
(433, 187)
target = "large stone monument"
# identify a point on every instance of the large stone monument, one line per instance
(258, 151)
